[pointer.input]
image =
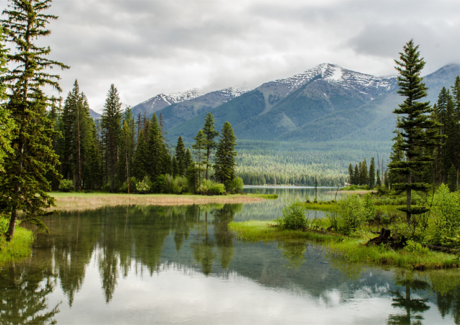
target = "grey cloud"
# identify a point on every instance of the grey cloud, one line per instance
(148, 47)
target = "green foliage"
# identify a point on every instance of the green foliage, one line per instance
(179, 185)
(446, 216)
(293, 216)
(419, 130)
(210, 144)
(193, 179)
(369, 207)
(351, 211)
(66, 185)
(235, 186)
(144, 186)
(414, 247)
(23, 183)
(225, 155)
(211, 188)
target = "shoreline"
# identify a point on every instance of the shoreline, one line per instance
(91, 201)
(350, 249)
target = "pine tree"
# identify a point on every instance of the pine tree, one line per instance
(111, 124)
(69, 117)
(225, 155)
(371, 182)
(350, 175)
(174, 167)
(7, 123)
(456, 98)
(141, 163)
(23, 184)
(452, 179)
(418, 129)
(210, 134)
(180, 156)
(379, 181)
(356, 175)
(188, 159)
(200, 148)
(364, 176)
(156, 149)
(127, 144)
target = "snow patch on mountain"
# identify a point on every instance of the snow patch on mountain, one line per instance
(337, 75)
(172, 98)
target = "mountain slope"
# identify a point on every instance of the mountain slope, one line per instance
(181, 112)
(161, 101)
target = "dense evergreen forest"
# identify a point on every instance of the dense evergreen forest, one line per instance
(123, 153)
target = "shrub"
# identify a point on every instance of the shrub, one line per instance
(236, 185)
(4, 223)
(211, 188)
(179, 185)
(446, 212)
(144, 185)
(66, 185)
(369, 208)
(132, 186)
(351, 211)
(293, 216)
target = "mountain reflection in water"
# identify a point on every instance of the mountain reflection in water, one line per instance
(182, 265)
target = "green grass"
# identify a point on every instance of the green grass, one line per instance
(264, 196)
(19, 247)
(354, 188)
(346, 248)
(322, 206)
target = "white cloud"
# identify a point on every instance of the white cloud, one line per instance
(148, 47)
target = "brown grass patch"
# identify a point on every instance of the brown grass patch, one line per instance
(81, 201)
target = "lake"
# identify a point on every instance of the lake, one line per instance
(181, 265)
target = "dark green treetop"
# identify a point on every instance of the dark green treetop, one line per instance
(210, 134)
(181, 156)
(24, 184)
(225, 163)
(418, 129)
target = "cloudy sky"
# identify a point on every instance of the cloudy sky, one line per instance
(146, 47)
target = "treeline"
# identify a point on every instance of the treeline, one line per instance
(361, 175)
(121, 153)
(442, 149)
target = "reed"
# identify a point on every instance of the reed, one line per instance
(91, 201)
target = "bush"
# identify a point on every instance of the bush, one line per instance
(4, 223)
(144, 186)
(446, 212)
(236, 185)
(132, 186)
(211, 188)
(351, 210)
(66, 185)
(179, 185)
(293, 216)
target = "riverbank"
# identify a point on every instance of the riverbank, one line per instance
(90, 201)
(19, 247)
(349, 249)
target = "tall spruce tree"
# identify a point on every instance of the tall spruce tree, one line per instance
(141, 162)
(23, 184)
(181, 156)
(418, 129)
(111, 125)
(225, 155)
(371, 182)
(350, 174)
(127, 145)
(7, 123)
(200, 147)
(156, 149)
(210, 134)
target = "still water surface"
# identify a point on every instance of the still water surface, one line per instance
(181, 265)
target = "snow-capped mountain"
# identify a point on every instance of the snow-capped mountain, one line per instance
(336, 75)
(161, 101)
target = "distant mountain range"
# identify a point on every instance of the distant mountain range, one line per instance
(325, 103)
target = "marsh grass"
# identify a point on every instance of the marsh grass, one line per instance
(348, 249)
(264, 196)
(19, 247)
(91, 201)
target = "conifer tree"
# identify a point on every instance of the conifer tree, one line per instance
(210, 134)
(200, 148)
(7, 124)
(126, 151)
(452, 179)
(364, 176)
(140, 163)
(225, 155)
(180, 156)
(188, 159)
(379, 181)
(156, 148)
(350, 174)
(356, 175)
(23, 184)
(174, 167)
(418, 129)
(371, 182)
(111, 124)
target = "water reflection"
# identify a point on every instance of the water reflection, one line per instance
(114, 263)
